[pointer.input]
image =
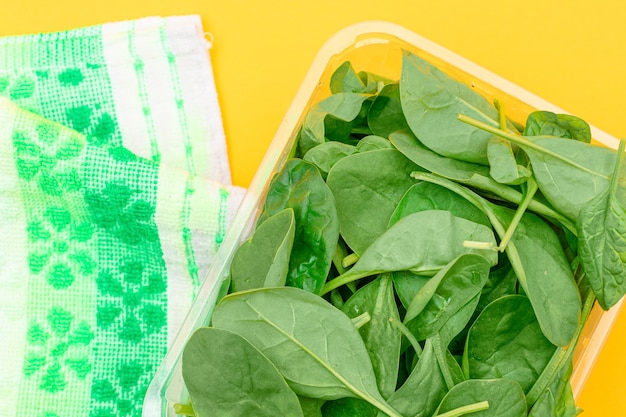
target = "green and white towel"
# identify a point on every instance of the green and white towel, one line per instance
(114, 196)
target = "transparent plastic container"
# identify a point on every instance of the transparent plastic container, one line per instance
(373, 47)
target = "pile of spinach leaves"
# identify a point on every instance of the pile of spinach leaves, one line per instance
(420, 256)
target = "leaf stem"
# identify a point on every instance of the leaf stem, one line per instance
(349, 260)
(531, 189)
(524, 142)
(466, 409)
(361, 320)
(407, 333)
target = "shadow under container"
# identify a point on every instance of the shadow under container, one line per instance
(374, 47)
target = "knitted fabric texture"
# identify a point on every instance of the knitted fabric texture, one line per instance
(115, 195)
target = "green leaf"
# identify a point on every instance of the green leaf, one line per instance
(367, 187)
(535, 255)
(431, 101)
(263, 260)
(300, 186)
(311, 407)
(382, 339)
(215, 369)
(427, 196)
(326, 155)
(506, 341)
(505, 397)
(342, 106)
(571, 187)
(346, 80)
(385, 114)
(445, 294)
(373, 143)
(423, 243)
(349, 407)
(421, 393)
(503, 164)
(546, 123)
(602, 240)
(314, 346)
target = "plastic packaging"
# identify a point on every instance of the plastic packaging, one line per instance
(373, 47)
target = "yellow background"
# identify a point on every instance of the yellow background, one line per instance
(572, 53)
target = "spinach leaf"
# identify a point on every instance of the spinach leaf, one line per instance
(423, 243)
(346, 80)
(311, 407)
(300, 186)
(407, 284)
(341, 106)
(367, 187)
(314, 346)
(431, 101)
(602, 239)
(215, 362)
(349, 407)
(473, 175)
(382, 339)
(569, 173)
(421, 393)
(547, 123)
(445, 294)
(505, 397)
(263, 260)
(427, 196)
(373, 143)
(385, 114)
(536, 254)
(502, 281)
(506, 341)
(503, 164)
(327, 154)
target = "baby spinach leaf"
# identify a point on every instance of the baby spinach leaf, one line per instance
(385, 114)
(569, 173)
(382, 339)
(506, 341)
(349, 407)
(423, 243)
(505, 397)
(346, 80)
(570, 187)
(502, 281)
(300, 186)
(547, 123)
(445, 294)
(412, 148)
(311, 407)
(431, 101)
(427, 196)
(342, 106)
(215, 362)
(314, 346)
(373, 143)
(421, 393)
(407, 284)
(535, 255)
(326, 155)
(263, 260)
(503, 164)
(367, 187)
(602, 240)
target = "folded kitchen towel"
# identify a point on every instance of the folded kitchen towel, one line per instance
(114, 196)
